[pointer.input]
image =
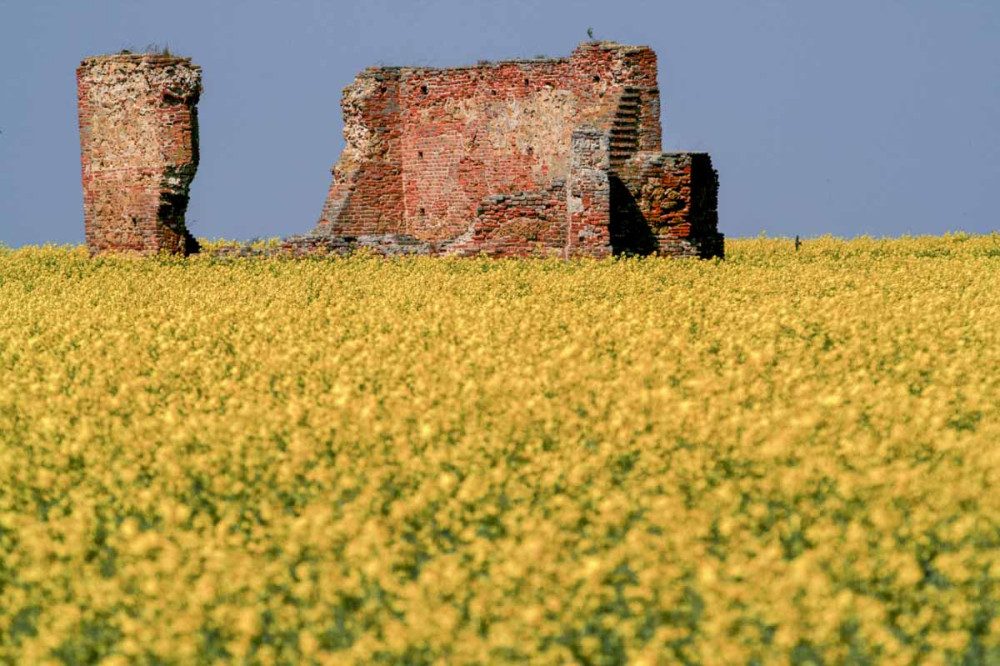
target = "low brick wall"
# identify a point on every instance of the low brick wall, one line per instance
(526, 223)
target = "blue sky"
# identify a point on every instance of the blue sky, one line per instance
(849, 117)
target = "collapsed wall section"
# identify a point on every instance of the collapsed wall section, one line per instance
(139, 150)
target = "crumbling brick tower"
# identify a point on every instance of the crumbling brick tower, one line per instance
(548, 156)
(139, 147)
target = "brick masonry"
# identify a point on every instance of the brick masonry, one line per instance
(546, 157)
(139, 149)
(551, 156)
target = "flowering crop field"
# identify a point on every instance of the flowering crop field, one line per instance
(783, 457)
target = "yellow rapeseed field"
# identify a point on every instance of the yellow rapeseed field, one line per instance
(784, 457)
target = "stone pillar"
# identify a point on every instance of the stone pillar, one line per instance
(588, 194)
(139, 148)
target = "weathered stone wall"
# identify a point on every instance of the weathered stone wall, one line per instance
(139, 149)
(510, 158)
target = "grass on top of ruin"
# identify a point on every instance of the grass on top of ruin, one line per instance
(784, 457)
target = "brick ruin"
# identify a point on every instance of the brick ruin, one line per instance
(139, 148)
(548, 156)
(545, 157)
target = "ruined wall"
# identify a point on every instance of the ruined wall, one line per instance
(430, 150)
(139, 150)
(552, 157)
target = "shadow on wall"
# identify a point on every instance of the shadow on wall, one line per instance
(174, 196)
(628, 228)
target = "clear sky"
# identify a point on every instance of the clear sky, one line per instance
(845, 117)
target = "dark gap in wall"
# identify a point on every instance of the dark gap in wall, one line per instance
(172, 208)
(630, 233)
